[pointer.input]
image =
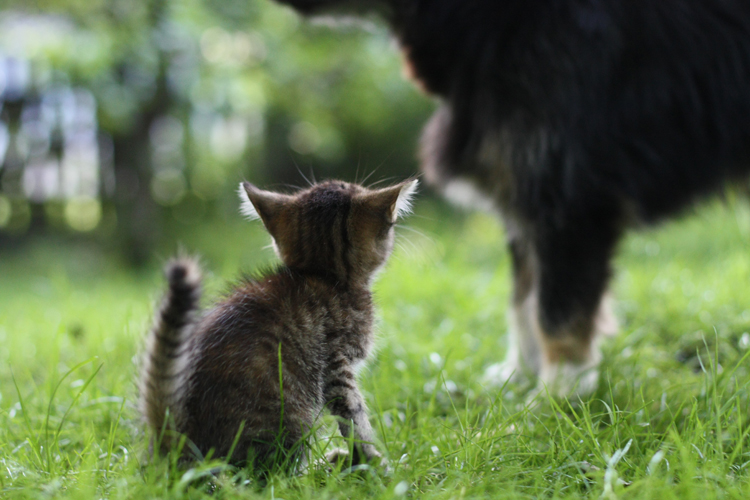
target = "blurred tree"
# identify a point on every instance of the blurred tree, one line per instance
(189, 97)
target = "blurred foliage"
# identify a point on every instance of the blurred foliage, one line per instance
(191, 96)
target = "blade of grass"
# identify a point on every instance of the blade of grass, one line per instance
(33, 442)
(48, 448)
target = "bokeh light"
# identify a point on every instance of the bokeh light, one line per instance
(83, 214)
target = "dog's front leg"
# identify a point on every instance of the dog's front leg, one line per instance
(567, 305)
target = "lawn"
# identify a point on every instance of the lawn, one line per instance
(670, 419)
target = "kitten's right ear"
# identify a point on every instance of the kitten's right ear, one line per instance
(260, 204)
(395, 201)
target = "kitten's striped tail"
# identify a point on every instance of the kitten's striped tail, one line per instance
(166, 362)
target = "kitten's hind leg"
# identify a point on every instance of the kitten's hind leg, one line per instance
(346, 402)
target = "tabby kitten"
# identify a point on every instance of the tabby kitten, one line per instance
(215, 377)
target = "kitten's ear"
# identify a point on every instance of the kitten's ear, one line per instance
(260, 204)
(397, 200)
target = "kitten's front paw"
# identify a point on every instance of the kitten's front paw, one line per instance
(339, 457)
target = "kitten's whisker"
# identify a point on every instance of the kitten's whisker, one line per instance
(300, 172)
(416, 231)
(312, 174)
(422, 217)
(359, 162)
(377, 168)
(380, 181)
(405, 239)
(405, 251)
(415, 252)
(370, 175)
(431, 239)
(413, 245)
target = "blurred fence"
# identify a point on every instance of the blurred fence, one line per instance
(120, 119)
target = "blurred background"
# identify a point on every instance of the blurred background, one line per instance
(127, 124)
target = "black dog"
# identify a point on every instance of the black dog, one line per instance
(575, 119)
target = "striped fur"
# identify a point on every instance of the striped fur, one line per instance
(166, 362)
(312, 318)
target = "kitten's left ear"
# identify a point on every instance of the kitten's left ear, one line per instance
(397, 199)
(260, 204)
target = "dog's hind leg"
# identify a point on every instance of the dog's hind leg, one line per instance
(523, 355)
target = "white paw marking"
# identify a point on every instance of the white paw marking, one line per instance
(571, 380)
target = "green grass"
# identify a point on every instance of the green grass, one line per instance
(670, 420)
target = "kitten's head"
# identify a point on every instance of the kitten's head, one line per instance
(333, 228)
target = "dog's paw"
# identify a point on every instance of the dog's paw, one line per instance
(605, 322)
(567, 380)
(500, 374)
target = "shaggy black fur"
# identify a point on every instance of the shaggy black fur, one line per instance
(577, 118)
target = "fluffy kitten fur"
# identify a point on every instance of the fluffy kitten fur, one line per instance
(214, 377)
